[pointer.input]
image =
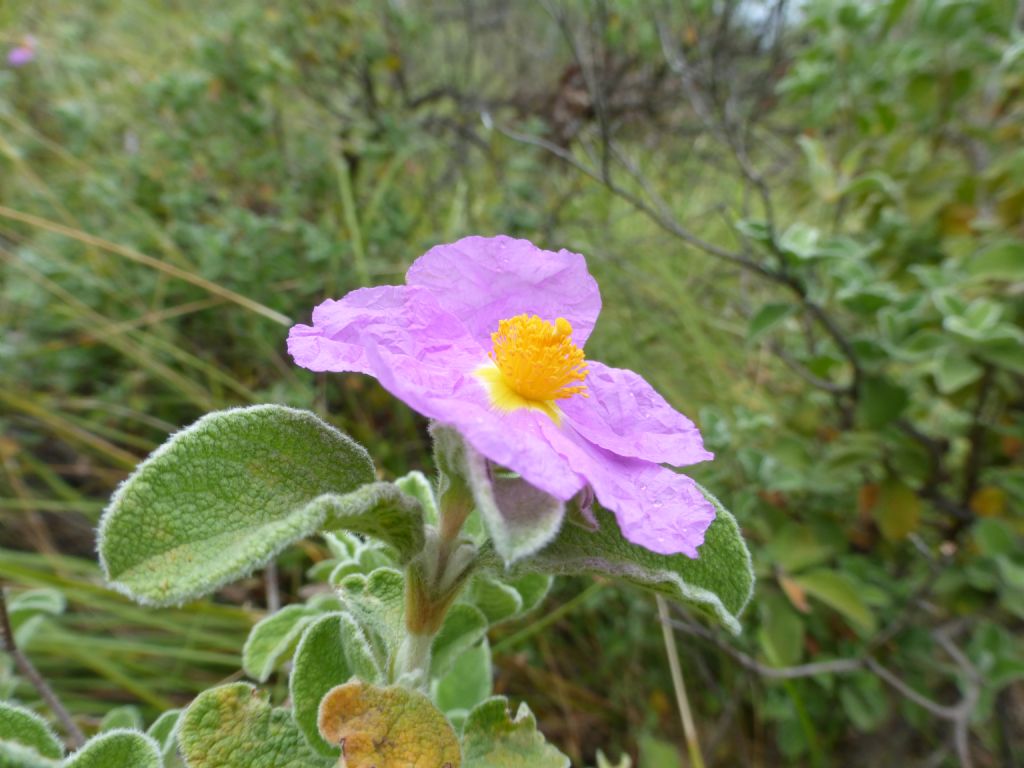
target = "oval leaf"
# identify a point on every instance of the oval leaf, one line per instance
(117, 749)
(273, 638)
(389, 727)
(25, 728)
(234, 726)
(332, 651)
(719, 582)
(492, 738)
(840, 593)
(221, 498)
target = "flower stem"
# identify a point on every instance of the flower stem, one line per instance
(75, 736)
(692, 745)
(414, 657)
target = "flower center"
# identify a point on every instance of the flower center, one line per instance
(537, 359)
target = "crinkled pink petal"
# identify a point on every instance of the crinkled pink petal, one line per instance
(426, 358)
(656, 508)
(404, 321)
(483, 280)
(624, 414)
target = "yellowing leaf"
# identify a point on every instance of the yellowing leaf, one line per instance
(898, 510)
(988, 501)
(389, 727)
(795, 593)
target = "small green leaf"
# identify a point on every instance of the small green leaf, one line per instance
(532, 589)
(467, 683)
(273, 638)
(127, 717)
(332, 651)
(954, 371)
(840, 593)
(35, 601)
(463, 627)
(25, 728)
(796, 547)
(377, 600)
(781, 634)
(822, 173)
(234, 726)
(417, 485)
(994, 538)
(603, 762)
(498, 601)
(225, 495)
(1001, 261)
(881, 402)
(164, 732)
(719, 582)
(800, 240)
(380, 510)
(767, 317)
(758, 231)
(897, 510)
(117, 749)
(14, 755)
(492, 739)
(389, 727)
(658, 753)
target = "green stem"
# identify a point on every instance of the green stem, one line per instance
(414, 657)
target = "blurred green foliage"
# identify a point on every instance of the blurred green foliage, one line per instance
(855, 360)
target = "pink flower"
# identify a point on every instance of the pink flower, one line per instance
(487, 336)
(22, 54)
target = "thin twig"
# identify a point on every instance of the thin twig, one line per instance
(27, 669)
(692, 745)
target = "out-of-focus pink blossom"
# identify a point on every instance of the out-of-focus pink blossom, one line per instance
(24, 53)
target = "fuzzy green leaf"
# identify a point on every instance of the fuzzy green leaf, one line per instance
(380, 510)
(27, 729)
(127, 717)
(417, 485)
(223, 496)
(532, 589)
(377, 600)
(234, 726)
(117, 749)
(14, 755)
(273, 638)
(164, 731)
(332, 651)
(463, 628)
(498, 601)
(719, 582)
(467, 683)
(492, 739)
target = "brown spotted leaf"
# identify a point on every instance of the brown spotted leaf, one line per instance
(389, 727)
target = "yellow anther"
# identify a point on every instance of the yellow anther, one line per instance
(535, 364)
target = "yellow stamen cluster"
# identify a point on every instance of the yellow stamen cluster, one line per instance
(537, 359)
